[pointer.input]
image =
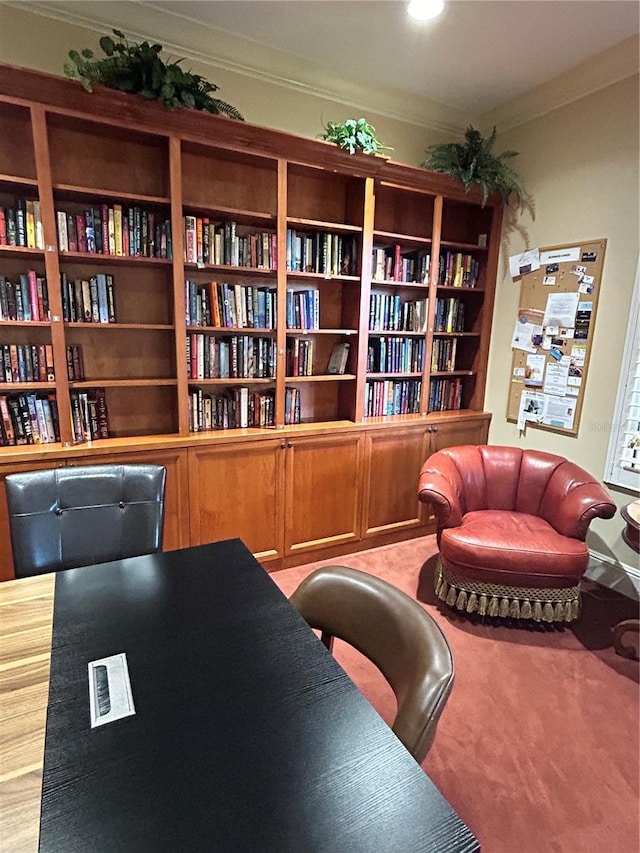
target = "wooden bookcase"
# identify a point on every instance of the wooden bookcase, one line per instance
(336, 245)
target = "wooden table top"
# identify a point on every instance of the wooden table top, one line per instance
(273, 749)
(26, 617)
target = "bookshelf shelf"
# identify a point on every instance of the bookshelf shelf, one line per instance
(220, 213)
(7, 181)
(10, 387)
(70, 191)
(389, 237)
(20, 251)
(232, 269)
(27, 324)
(320, 225)
(323, 377)
(138, 327)
(122, 383)
(291, 332)
(107, 259)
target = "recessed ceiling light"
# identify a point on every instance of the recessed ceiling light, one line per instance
(425, 10)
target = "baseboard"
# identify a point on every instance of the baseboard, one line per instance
(614, 574)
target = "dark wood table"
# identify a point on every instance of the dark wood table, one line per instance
(247, 734)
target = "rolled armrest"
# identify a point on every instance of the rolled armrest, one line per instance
(575, 511)
(442, 490)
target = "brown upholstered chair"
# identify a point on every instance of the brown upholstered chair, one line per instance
(61, 518)
(394, 632)
(511, 526)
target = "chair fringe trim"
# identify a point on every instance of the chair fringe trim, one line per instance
(541, 605)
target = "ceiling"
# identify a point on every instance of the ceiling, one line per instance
(478, 56)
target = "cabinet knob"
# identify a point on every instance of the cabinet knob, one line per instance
(282, 446)
(289, 444)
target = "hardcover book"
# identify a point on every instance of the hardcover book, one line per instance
(338, 358)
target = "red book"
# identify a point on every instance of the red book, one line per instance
(33, 295)
(3, 228)
(81, 230)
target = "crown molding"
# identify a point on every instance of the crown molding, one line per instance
(599, 72)
(193, 41)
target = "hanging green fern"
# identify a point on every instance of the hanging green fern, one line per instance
(473, 162)
(139, 69)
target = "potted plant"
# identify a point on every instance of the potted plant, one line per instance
(354, 135)
(473, 162)
(138, 69)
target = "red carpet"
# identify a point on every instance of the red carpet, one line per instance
(537, 748)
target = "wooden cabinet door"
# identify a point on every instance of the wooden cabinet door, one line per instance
(6, 552)
(453, 433)
(236, 491)
(323, 491)
(392, 465)
(176, 505)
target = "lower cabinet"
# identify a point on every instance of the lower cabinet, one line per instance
(286, 497)
(393, 460)
(236, 490)
(322, 491)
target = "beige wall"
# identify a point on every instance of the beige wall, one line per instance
(43, 43)
(579, 162)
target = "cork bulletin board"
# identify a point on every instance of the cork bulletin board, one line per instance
(553, 335)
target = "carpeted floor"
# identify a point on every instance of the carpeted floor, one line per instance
(538, 746)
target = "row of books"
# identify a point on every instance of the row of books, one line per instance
(26, 299)
(449, 315)
(219, 243)
(235, 357)
(321, 252)
(390, 313)
(88, 300)
(445, 395)
(75, 363)
(443, 354)
(392, 397)
(299, 358)
(115, 230)
(27, 363)
(237, 408)
(395, 355)
(89, 415)
(303, 309)
(458, 269)
(291, 405)
(230, 306)
(21, 225)
(28, 419)
(392, 264)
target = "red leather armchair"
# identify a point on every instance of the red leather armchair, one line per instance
(511, 526)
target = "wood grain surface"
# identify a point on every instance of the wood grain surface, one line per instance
(26, 616)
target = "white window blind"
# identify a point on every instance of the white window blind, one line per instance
(623, 458)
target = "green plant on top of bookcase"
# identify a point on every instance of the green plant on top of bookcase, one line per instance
(473, 162)
(354, 135)
(138, 69)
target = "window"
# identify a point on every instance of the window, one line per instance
(623, 458)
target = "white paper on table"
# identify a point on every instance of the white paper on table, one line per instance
(555, 379)
(560, 256)
(528, 323)
(525, 262)
(561, 310)
(559, 411)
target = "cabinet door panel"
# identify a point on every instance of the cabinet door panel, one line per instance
(394, 459)
(323, 491)
(472, 431)
(6, 552)
(235, 491)
(176, 503)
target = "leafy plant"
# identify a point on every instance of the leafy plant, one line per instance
(354, 135)
(138, 68)
(473, 162)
